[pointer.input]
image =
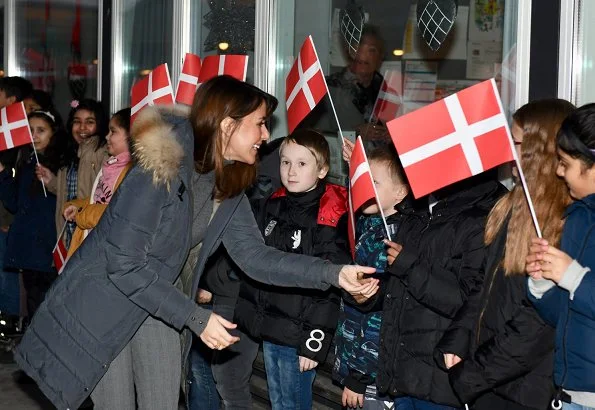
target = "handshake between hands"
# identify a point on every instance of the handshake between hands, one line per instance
(353, 278)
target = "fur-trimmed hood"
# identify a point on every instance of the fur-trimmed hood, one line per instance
(154, 145)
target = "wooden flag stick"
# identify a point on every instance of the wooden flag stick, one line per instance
(328, 93)
(60, 236)
(351, 220)
(37, 159)
(526, 190)
(520, 169)
(375, 117)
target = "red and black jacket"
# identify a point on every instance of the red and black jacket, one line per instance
(310, 223)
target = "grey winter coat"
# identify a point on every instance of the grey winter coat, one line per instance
(122, 273)
(125, 269)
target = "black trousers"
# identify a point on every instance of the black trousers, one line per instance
(36, 286)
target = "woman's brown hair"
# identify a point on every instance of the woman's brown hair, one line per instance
(540, 122)
(215, 100)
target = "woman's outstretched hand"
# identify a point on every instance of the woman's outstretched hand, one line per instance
(352, 279)
(215, 335)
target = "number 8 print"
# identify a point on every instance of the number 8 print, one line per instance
(318, 340)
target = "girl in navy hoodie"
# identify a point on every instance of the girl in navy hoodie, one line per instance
(33, 233)
(562, 283)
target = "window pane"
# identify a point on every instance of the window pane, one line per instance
(585, 60)
(146, 35)
(480, 46)
(223, 27)
(56, 48)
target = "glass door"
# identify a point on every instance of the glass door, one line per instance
(483, 44)
(576, 81)
(53, 44)
(141, 40)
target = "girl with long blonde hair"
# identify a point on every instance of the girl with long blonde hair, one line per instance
(509, 365)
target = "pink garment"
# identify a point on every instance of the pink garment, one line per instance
(110, 171)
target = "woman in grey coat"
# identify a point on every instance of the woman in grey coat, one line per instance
(115, 305)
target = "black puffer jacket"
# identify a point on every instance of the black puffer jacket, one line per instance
(305, 223)
(511, 346)
(440, 266)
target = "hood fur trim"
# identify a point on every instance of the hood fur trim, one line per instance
(154, 145)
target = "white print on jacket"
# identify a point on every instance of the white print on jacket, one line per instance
(297, 239)
(270, 227)
(316, 336)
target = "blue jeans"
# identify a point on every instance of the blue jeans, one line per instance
(574, 406)
(289, 389)
(410, 403)
(202, 392)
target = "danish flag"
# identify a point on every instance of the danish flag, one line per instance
(60, 254)
(361, 186)
(452, 139)
(153, 89)
(188, 79)
(390, 97)
(233, 65)
(14, 127)
(305, 85)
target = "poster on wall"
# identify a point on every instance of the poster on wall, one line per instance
(444, 88)
(483, 59)
(486, 20)
(454, 48)
(419, 86)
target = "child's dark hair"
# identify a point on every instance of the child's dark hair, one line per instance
(577, 135)
(100, 117)
(42, 98)
(17, 87)
(314, 141)
(56, 155)
(387, 154)
(122, 118)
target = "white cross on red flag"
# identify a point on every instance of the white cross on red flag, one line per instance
(304, 86)
(453, 139)
(188, 81)
(154, 89)
(361, 186)
(14, 126)
(389, 99)
(235, 65)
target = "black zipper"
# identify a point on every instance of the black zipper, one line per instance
(487, 297)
